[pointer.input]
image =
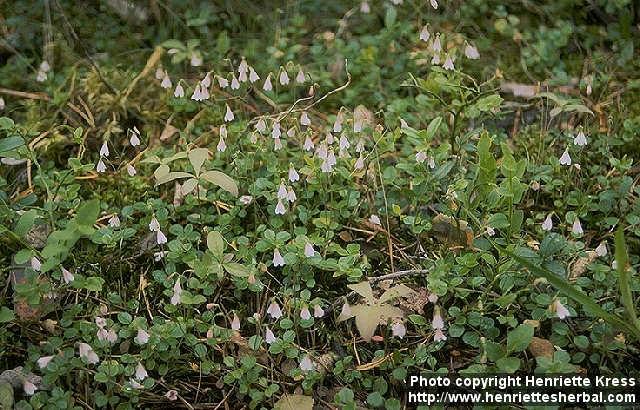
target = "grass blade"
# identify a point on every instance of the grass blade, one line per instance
(565, 287)
(625, 277)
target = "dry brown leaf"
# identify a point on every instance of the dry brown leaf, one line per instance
(540, 347)
(452, 232)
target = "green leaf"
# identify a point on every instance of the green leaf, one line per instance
(222, 180)
(8, 144)
(6, 314)
(88, 213)
(487, 169)
(625, 278)
(197, 157)
(519, 338)
(433, 126)
(25, 222)
(215, 243)
(236, 269)
(563, 286)
(171, 176)
(508, 364)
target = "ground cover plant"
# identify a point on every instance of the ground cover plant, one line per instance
(296, 204)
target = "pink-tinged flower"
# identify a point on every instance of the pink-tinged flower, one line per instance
(159, 73)
(305, 314)
(437, 322)
(235, 323)
(318, 311)
(267, 83)
(171, 395)
(439, 336)
(565, 159)
(490, 231)
(291, 195)
(41, 77)
(358, 125)
(235, 84)
(448, 63)
(157, 256)
(306, 364)
(359, 163)
(308, 144)
(134, 140)
(337, 124)
(197, 93)
(206, 81)
(161, 239)
(398, 330)
(436, 46)
(43, 362)
(435, 60)
(112, 336)
(269, 337)
(135, 385)
(177, 293)
(471, 52)
(434, 4)
(277, 144)
(432, 297)
(86, 352)
(253, 76)
(280, 209)
(403, 123)
(291, 132)
(101, 322)
(261, 126)
(424, 34)
(547, 224)
(222, 82)
(309, 252)
(375, 219)
(421, 157)
(166, 81)
(131, 170)
(580, 139)
(141, 372)
(560, 310)
(284, 77)
(204, 92)
(577, 227)
(293, 174)
(101, 167)
(28, 387)
(154, 225)
(246, 199)
(431, 162)
(274, 310)
(275, 131)
(114, 221)
(35, 264)
(222, 146)
(228, 116)
(142, 337)
(102, 334)
(304, 119)
(364, 7)
(278, 260)
(601, 250)
(344, 143)
(209, 333)
(282, 191)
